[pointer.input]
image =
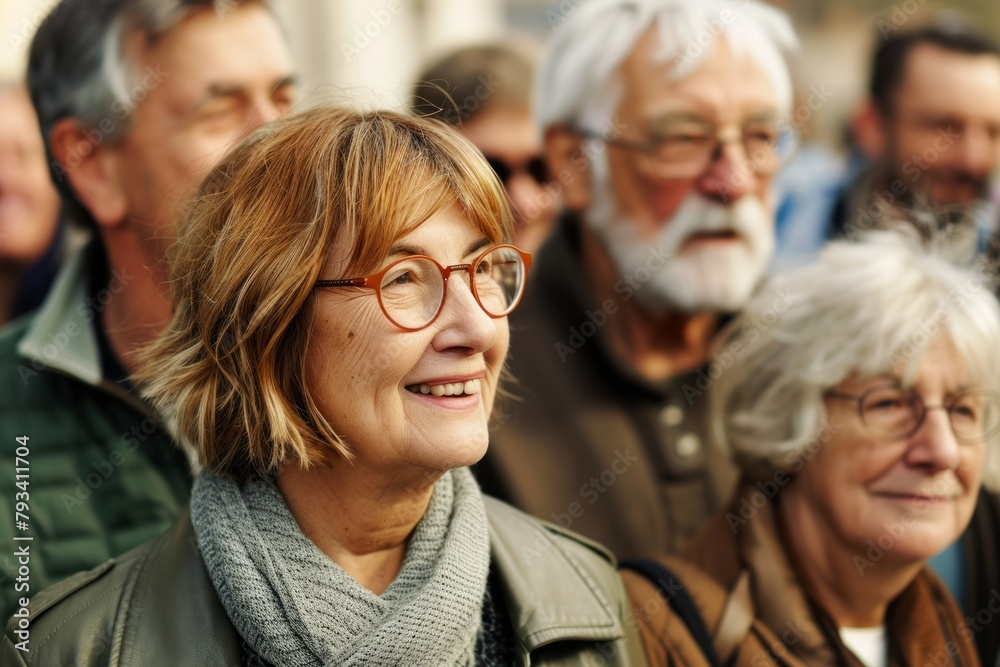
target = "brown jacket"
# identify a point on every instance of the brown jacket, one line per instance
(588, 444)
(758, 613)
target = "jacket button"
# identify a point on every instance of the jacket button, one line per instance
(672, 416)
(688, 445)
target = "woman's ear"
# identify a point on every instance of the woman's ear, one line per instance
(85, 158)
(569, 165)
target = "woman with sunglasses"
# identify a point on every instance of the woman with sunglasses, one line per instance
(341, 285)
(484, 90)
(859, 396)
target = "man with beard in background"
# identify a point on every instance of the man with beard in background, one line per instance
(664, 124)
(927, 140)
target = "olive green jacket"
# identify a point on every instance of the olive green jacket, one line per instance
(156, 605)
(98, 474)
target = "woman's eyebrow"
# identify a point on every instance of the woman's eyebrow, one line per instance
(408, 249)
(477, 245)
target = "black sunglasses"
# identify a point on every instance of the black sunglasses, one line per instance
(534, 167)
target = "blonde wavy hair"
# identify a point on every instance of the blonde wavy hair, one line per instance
(229, 371)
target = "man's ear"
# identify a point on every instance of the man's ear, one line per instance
(569, 165)
(868, 125)
(84, 158)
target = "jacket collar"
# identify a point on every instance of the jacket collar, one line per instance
(922, 621)
(549, 594)
(60, 335)
(174, 584)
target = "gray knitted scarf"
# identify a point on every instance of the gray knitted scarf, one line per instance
(296, 607)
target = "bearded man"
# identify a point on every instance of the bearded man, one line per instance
(664, 123)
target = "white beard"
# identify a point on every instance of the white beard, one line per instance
(705, 276)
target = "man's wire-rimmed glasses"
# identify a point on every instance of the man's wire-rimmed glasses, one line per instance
(411, 291)
(684, 148)
(893, 412)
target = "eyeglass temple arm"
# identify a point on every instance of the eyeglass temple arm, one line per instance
(642, 147)
(839, 394)
(343, 282)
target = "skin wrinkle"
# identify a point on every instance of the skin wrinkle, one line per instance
(724, 90)
(132, 186)
(837, 503)
(361, 513)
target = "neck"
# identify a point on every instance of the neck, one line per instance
(853, 598)
(361, 521)
(655, 345)
(134, 300)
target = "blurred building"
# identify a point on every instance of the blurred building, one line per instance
(368, 51)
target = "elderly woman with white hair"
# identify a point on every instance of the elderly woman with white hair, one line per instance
(859, 397)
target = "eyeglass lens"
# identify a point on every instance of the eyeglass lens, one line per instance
(974, 414)
(534, 167)
(413, 290)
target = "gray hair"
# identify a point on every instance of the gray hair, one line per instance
(77, 66)
(578, 82)
(861, 308)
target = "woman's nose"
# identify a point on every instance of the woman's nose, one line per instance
(934, 444)
(463, 322)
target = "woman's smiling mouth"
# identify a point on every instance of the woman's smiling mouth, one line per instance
(465, 388)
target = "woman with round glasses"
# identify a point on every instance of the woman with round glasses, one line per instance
(341, 287)
(859, 395)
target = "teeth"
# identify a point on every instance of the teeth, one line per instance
(448, 388)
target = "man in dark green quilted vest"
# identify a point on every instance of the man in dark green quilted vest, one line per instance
(136, 100)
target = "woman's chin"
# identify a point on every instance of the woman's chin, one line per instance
(456, 451)
(900, 543)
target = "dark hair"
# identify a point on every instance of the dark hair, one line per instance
(949, 32)
(461, 84)
(77, 68)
